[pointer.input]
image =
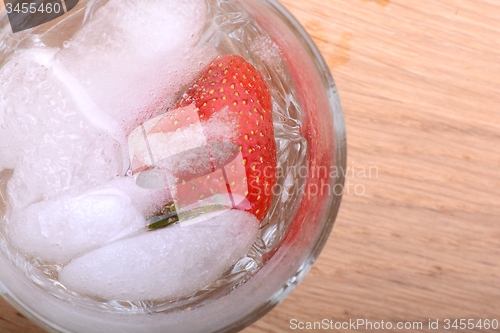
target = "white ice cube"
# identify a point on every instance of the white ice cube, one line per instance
(44, 137)
(135, 55)
(164, 264)
(60, 229)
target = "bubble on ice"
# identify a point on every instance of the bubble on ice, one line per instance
(60, 229)
(267, 50)
(164, 264)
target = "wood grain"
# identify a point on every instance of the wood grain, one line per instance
(420, 86)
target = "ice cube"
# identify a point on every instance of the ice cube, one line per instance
(147, 201)
(134, 56)
(164, 264)
(58, 230)
(45, 137)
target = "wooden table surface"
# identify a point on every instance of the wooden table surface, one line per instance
(420, 238)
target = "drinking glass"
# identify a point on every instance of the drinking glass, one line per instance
(307, 228)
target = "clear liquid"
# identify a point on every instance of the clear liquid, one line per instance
(231, 31)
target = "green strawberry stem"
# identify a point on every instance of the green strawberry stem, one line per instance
(168, 215)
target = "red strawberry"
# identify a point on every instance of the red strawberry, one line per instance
(217, 143)
(234, 105)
